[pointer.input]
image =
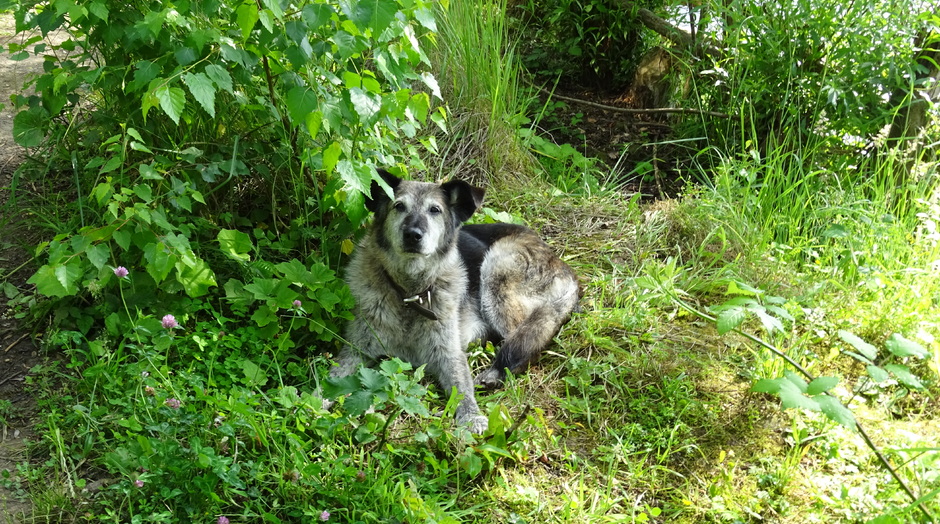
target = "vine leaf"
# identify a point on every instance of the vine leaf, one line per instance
(904, 375)
(835, 411)
(172, 101)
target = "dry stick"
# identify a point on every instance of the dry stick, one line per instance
(656, 111)
(15, 342)
(809, 376)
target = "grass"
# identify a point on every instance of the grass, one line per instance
(640, 412)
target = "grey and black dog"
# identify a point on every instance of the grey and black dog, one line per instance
(426, 286)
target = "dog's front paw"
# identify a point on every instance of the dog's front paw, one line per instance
(477, 423)
(490, 379)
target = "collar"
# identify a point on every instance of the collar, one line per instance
(416, 302)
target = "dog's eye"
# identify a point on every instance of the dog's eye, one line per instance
(435, 210)
(399, 206)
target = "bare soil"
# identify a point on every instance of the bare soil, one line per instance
(18, 351)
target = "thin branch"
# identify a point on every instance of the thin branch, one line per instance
(656, 111)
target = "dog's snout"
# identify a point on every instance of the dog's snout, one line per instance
(413, 234)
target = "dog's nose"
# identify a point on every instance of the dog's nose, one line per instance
(413, 234)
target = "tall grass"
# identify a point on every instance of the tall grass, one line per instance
(476, 66)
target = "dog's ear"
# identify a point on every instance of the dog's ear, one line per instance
(463, 198)
(377, 193)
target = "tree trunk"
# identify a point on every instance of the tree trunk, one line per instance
(911, 117)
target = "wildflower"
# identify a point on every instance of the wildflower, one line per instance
(150, 391)
(139, 483)
(172, 403)
(145, 374)
(361, 475)
(325, 516)
(297, 304)
(222, 520)
(120, 271)
(169, 322)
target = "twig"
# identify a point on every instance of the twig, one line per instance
(656, 111)
(11, 377)
(518, 421)
(809, 376)
(15, 342)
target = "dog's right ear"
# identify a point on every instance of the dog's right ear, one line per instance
(378, 194)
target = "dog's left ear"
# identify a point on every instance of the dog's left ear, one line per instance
(463, 198)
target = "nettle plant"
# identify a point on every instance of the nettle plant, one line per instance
(173, 118)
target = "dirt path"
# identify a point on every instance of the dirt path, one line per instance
(18, 353)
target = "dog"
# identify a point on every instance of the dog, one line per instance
(426, 286)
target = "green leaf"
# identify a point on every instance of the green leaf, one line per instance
(902, 347)
(357, 403)
(159, 261)
(738, 288)
(100, 10)
(367, 105)
(372, 379)
(316, 15)
(767, 385)
(196, 276)
(253, 373)
(771, 324)
(821, 385)
(123, 238)
(246, 16)
(29, 127)
(835, 411)
(301, 101)
(98, 255)
(331, 156)
(876, 373)
(867, 350)
(904, 375)
(791, 396)
(235, 244)
(172, 101)
(56, 280)
(334, 388)
(203, 90)
(219, 75)
(372, 14)
(412, 405)
(730, 319)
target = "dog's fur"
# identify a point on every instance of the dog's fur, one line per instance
(425, 287)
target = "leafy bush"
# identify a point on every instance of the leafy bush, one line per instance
(585, 42)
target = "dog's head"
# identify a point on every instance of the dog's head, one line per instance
(421, 218)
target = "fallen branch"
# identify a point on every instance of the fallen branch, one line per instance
(655, 111)
(684, 39)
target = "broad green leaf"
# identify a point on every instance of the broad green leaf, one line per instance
(730, 319)
(195, 277)
(296, 272)
(904, 375)
(334, 388)
(418, 106)
(357, 403)
(275, 7)
(246, 16)
(372, 379)
(869, 351)
(796, 380)
(203, 90)
(767, 385)
(315, 15)
(791, 396)
(172, 101)
(821, 385)
(902, 347)
(100, 10)
(264, 316)
(331, 157)
(159, 261)
(29, 127)
(738, 288)
(372, 14)
(771, 324)
(876, 373)
(301, 101)
(367, 105)
(219, 75)
(98, 255)
(253, 373)
(56, 280)
(412, 405)
(235, 244)
(314, 120)
(431, 82)
(835, 411)
(123, 238)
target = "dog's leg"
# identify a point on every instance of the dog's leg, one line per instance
(452, 371)
(522, 346)
(347, 363)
